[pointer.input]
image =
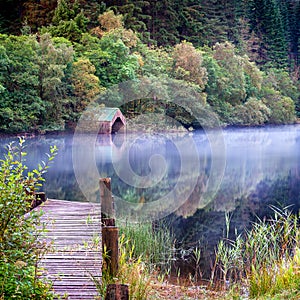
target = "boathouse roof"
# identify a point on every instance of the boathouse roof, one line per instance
(106, 114)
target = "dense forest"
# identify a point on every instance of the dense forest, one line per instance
(57, 57)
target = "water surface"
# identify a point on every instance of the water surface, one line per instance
(146, 167)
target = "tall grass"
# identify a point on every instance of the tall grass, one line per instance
(132, 271)
(155, 246)
(142, 251)
(266, 258)
(282, 277)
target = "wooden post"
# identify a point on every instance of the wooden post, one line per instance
(110, 241)
(117, 292)
(110, 236)
(110, 233)
(107, 204)
(39, 198)
(106, 199)
(108, 222)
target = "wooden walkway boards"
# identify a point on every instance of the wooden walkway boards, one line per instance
(75, 231)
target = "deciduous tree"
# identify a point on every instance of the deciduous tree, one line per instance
(188, 64)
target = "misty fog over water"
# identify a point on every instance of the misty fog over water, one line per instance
(216, 172)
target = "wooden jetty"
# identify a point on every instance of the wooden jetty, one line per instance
(75, 260)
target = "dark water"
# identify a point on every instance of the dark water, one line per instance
(191, 179)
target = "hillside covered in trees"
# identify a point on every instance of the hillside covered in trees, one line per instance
(56, 57)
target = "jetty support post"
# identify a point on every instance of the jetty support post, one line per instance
(110, 242)
(39, 198)
(106, 200)
(117, 292)
(110, 232)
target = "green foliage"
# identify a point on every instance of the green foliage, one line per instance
(219, 22)
(86, 84)
(214, 88)
(20, 249)
(282, 107)
(284, 281)
(164, 22)
(21, 105)
(34, 82)
(280, 80)
(68, 21)
(274, 23)
(253, 112)
(193, 23)
(53, 62)
(20, 282)
(267, 21)
(119, 64)
(233, 77)
(45, 85)
(154, 61)
(134, 15)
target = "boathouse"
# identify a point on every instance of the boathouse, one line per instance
(103, 120)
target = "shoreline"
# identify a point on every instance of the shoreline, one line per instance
(35, 133)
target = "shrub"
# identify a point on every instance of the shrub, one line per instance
(20, 249)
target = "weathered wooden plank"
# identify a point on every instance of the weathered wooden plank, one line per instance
(74, 228)
(72, 254)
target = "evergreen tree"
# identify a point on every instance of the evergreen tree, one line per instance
(134, 16)
(290, 10)
(92, 9)
(164, 22)
(65, 11)
(267, 22)
(215, 23)
(191, 21)
(296, 32)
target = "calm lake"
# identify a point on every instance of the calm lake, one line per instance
(192, 179)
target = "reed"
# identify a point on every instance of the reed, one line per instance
(283, 277)
(266, 258)
(155, 246)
